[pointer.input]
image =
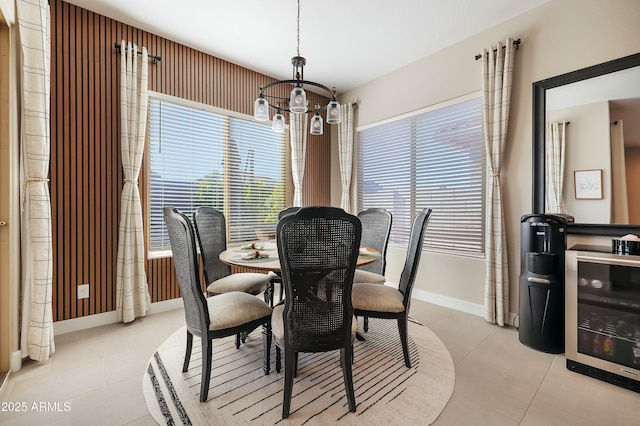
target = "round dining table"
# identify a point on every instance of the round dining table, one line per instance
(241, 256)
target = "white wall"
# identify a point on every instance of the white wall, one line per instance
(558, 37)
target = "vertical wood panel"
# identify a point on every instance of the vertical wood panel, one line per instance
(86, 172)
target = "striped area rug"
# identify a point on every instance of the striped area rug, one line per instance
(387, 393)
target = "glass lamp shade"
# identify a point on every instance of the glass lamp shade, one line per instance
(316, 124)
(277, 126)
(261, 109)
(298, 101)
(333, 112)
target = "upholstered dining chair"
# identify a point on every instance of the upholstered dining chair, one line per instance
(383, 301)
(376, 228)
(318, 249)
(211, 318)
(211, 232)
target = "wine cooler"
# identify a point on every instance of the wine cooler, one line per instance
(602, 306)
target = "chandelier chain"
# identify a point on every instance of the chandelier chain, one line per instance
(298, 27)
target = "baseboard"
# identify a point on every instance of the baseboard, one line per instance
(90, 321)
(453, 303)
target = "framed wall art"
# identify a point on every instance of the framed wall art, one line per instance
(588, 184)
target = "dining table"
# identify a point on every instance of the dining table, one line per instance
(263, 256)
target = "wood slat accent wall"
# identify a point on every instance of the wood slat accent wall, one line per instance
(86, 171)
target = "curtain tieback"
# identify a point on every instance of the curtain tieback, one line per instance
(495, 174)
(24, 187)
(135, 182)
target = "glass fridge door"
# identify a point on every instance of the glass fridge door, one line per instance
(609, 312)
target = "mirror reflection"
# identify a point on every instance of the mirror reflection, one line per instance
(592, 149)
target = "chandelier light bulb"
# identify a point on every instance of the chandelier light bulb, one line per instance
(278, 123)
(298, 100)
(333, 112)
(316, 123)
(261, 109)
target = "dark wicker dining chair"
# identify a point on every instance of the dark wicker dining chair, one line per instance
(318, 249)
(383, 301)
(211, 231)
(376, 228)
(214, 317)
(276, 277)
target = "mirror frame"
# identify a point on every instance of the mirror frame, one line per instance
(539, 119)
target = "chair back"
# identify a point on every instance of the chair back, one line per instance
(318, 249)
(211, 230)
(185, 262)
(376, 228)
(414, 251)
(287, 211)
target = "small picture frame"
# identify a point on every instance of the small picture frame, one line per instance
(588, 184)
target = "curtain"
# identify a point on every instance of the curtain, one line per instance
(497, 72)
(298, 141)
(36, 339)
(554, 166)
(345, 154)
(132, 292)
(620, 202)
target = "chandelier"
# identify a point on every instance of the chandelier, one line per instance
(297, 102)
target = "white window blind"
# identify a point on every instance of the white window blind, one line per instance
(199, 157)
(431, 160)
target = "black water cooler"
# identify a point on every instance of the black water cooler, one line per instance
(542, 247)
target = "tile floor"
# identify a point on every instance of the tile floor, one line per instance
(95, 378)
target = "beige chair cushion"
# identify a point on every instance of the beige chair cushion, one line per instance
(368, 277)
(246, 282)
(235, 308)
(376, 297)
(277, 324)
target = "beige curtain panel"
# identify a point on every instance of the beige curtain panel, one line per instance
(345, 154)
(554, 166)
(132, 290)
(497, 73)
(298, 141)
(36, 339)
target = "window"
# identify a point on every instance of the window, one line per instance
(199, 156)
(430, 159)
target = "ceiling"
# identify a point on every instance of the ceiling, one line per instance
(346, 42)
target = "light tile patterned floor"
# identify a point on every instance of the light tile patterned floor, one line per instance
(98, 374)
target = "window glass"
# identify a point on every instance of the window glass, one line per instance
(433, 159)
(201, 157)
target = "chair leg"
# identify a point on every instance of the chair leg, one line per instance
(187, 355)
(268, 294)
(402, 328)
(346, 360)
(366, 324)
(278, 359)
(206, 368)
(266, 344)
(238, 341)
(289, 372)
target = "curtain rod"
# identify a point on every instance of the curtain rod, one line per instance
(154, 58)
(516, 43)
